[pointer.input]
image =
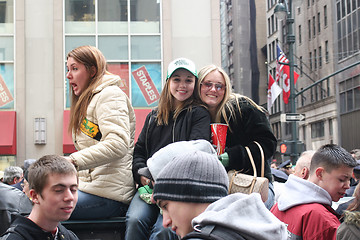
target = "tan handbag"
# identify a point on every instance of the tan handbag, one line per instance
(244, 183)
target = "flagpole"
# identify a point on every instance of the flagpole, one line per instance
(290, 38)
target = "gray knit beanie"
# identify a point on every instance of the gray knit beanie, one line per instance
(196, 177)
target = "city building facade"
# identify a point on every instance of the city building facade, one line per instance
(36, 35)
(326, 42)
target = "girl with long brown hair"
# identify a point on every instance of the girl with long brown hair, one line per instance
(102, 122)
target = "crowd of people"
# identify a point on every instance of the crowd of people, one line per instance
(172, 183)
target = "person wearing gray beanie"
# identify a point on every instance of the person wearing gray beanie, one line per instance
(192, 192)
(197, 181)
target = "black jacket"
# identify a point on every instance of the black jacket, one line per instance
(191, 124)
(24, 229)
(249, 125)
(12, 201)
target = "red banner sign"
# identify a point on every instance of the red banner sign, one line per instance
(146, 85)
(5, 95)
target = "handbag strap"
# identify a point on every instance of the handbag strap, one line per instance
(251, 160)
(262, 159)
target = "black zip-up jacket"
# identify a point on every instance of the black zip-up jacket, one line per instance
(12, 202)
(23, 228)
(191, 124)
(249, 125)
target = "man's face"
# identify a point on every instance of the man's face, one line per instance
(336, 182)
(58, 198)
(178, 216)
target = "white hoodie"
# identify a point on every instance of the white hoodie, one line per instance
(298, 191)
(245, 214)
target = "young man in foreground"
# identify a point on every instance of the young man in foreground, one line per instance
(53, 187)
(305, 205)
(192, 192)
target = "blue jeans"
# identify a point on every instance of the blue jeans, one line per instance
(271, 197)
(90, 206)
(144, 221)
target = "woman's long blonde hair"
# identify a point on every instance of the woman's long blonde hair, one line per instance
(226, 105)
(91, 57)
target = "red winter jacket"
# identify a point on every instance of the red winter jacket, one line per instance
(309, 221)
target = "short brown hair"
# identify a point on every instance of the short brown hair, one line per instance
(331, 156)
(48, 164)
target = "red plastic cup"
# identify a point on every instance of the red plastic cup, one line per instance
(218, 136)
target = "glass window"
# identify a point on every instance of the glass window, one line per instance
(331, 131)
(114, 47)
(145, 47)
(145, 84)
(7, 17)
(314, 26)
(126, 32)
(7, 55)
(122, 70)
(113, 16)
(357, 97)
(327, 51)
(145, 16)
(349, 100)
(77, 41)
(342, 103)
(79, 16)
(317, 130)
(7, 86)
(325, 16)
(6, 48)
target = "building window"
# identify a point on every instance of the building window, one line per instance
(350, 94)
(318, 23)
(320, 57)
(326, 51)
(317, 129)
(270, 53)
(304, 133)
(331, 130)
(325, 16)
(310, 60)
(348, 16)
(299, 34)
(128, 36)
(7, 82)
(314, 27)
(301, 65)
(315, 59)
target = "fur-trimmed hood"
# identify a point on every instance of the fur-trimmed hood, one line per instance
(352, 218)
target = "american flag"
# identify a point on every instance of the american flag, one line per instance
(283, 74)
(281, 58)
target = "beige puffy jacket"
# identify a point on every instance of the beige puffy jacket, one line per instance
(105, 165)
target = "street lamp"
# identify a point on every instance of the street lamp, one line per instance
(283, 10)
